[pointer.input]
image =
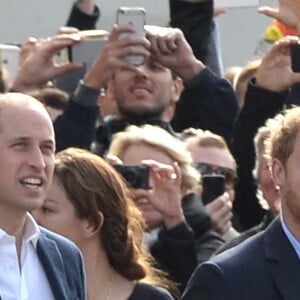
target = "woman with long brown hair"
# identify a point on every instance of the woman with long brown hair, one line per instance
(89, 203)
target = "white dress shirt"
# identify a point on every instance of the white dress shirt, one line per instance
(27, 281)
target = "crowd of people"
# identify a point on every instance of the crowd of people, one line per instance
(169, 179)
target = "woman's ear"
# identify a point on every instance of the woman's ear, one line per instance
(91, 228)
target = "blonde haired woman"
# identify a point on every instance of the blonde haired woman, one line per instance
(178, 228)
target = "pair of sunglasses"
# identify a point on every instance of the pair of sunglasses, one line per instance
(230, 175)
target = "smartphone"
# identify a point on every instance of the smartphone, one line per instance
(235, 3)
(136, 18)
(89, 48)
(295, 57)
(84, 52)
(213, 187)
(9, 60)
(137, 176)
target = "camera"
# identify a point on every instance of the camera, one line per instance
(137, 176)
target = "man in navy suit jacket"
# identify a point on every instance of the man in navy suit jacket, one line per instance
(35, 263)
(264, 267)
(267, 265)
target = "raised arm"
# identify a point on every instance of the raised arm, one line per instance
(288, 12)
(265, 97)
(84, 15)
(208, 101)
(38, 64)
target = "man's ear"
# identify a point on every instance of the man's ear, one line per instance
(177, 89)
(278, 172)
(91, 228)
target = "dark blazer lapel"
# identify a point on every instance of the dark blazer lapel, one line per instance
(282, 262)
(53, 266)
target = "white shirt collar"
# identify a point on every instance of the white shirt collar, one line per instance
(31, 231)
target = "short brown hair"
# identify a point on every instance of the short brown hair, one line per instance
(206, 138)
(51, 96)
(281, 143)
(261, 142)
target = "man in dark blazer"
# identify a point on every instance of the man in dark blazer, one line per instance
(265, 266)
(35, 263)
(63, 266)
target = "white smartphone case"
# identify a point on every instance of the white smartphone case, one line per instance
(134, 17)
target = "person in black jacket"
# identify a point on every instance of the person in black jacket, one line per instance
(212, 156)
(195, 20)
(178, 232)
(205, 94)
(267, 194)
(271, 256)
(224, 276)
(264, 99)
(208, 100)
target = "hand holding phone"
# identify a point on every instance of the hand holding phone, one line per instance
(135, 18)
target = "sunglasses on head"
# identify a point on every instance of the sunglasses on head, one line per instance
(230, 175)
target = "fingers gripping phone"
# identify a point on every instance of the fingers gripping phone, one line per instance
(213, 187)
(134, 17)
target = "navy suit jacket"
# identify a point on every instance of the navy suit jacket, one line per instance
(63, 265)
(264, 267)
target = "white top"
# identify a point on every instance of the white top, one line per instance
(29, 281)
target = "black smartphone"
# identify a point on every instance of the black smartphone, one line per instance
(137, 176)
(213, 187)
(295, 57)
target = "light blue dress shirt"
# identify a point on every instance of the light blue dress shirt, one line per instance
(295, 243)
